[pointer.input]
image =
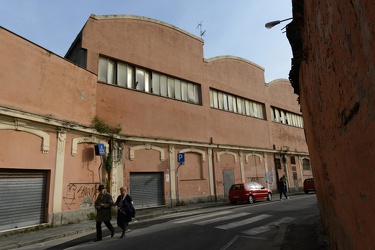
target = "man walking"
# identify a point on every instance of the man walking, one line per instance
(282, 187)
(103, 206)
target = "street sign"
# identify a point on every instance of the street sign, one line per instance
(100, 149)
(181, 157)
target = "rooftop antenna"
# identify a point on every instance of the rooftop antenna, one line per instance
(199, 26)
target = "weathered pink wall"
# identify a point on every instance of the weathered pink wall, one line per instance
(40, 82)
(338, 103)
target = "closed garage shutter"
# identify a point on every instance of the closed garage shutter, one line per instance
(146, 189)
(23, 198)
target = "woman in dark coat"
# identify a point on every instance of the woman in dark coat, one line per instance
(123, 215)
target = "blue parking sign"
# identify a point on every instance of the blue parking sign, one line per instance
(181, 157)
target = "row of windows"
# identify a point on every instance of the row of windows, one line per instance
(132, 77)
(236, 104)
(285, 117)
(128, 76)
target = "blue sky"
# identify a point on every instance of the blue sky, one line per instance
(232, 27)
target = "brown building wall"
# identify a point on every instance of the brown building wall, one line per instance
(338, 98)
(38, 81)
(51, 96)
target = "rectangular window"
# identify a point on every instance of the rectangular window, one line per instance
(196, 94)
(130, 77)
(184, 91)
(230, 103)
(177, 89)
(163, 86)
(293, 160)
(191, 93)
(170, 87)
(121, 74)
(215, 99)
(102, 72)
(225, 99)
(140, 79)
(156, 84)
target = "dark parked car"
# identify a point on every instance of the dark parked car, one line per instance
(308, 185)
(248, 192)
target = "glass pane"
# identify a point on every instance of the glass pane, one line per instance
(121, 74)
(163, 85)
(239, 105)
(177, 89)
(234, 104)
(103, 65)
(156, 84)
(191, 92)
(247, 107)
(255, 109)
(170, 87)
(196, 94)
(147, 81)
(225, 100)
(230, 103)
(277, 115)
(282, 116)
(260, 111)
(184, 91)
(215, 97)
(130, 81)
(220, 99)
(140, 79)
(111, 72)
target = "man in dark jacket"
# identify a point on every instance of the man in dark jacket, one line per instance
(282, 187)
(103, 206)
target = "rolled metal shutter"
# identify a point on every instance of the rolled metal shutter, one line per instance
(23, 200)
(146, 189)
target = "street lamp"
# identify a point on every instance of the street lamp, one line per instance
(274, 23)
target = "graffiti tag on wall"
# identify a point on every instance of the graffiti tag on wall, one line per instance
(80, 195)
(269, 177)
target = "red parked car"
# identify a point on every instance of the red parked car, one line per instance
(248, 192)
(308, 185)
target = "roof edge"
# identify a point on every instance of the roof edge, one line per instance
(147, 19)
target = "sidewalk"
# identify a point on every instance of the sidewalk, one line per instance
(303, 234)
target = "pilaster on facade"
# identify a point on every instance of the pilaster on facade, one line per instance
(172, 172)
(59, 173)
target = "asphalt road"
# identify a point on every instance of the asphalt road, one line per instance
(257, 226)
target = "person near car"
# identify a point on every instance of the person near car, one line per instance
(123, 217)
(282, 187)
(103, 205)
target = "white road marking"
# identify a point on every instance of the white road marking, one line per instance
(268, 226)
(243, 222)
(194, 218)
(205, 222)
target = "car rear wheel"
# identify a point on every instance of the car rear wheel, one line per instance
(269, 197)
(250, 200)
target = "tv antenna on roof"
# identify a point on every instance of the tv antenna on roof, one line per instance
(199, 26)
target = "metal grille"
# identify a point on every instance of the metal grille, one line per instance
(146, 189)
(23, 201)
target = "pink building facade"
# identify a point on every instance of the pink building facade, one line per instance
(149, 80)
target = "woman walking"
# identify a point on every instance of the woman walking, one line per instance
(123, 214)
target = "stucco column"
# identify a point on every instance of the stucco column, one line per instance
(172, 172)
(266, 169)
(211, 173)
(117, 170)
(59, 173)
(242, 167)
